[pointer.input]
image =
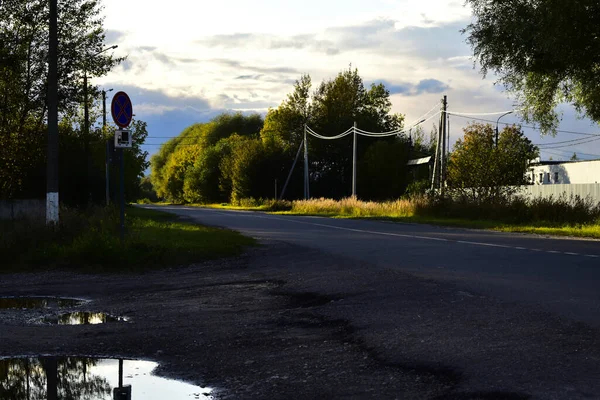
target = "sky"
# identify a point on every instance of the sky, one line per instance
(190, 60)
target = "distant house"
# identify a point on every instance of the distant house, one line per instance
(564, 172)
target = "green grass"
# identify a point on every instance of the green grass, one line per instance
(90, 242)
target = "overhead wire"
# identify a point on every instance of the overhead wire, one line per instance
(524, 126)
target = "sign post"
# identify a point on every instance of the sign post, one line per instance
(122, 112)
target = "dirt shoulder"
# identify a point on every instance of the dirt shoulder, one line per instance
(289, 322)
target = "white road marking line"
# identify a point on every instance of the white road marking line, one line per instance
(572, 254)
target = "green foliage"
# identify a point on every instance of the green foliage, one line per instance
(88, 241)
(382, 171)
(334, 107)
(23, 108)
(235, 157)
(484, 172)
(546, 52)
(190, 167)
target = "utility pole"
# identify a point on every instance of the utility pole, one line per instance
(52, 211)
(444, 164)
(306, 178)
(435, 180)
(354, 163)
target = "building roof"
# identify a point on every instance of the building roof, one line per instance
(553, 162)
(419, 161)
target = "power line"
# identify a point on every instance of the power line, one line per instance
(569, 151)
(524, 126)
(573, 144)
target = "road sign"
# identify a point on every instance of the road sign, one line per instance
(121, 109)
(123, 139)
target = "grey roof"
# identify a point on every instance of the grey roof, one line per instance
(419, 161)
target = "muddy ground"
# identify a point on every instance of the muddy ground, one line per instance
(285, 322)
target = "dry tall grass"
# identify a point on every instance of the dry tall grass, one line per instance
(353, 207)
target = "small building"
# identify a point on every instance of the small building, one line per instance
(564, 172)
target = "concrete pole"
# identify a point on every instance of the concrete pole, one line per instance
(306, 179)
(354, 164)
(52, 210)
(444, 165)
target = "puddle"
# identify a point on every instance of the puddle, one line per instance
(90, 379)
(38, 302)
(82, 318)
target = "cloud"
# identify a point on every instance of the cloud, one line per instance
(259, 69)
(410, 89)
(112, 36)
(152, 102)
(270, 42)
(380, 36)
(250, 77)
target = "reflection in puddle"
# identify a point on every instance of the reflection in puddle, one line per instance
(91, 379)
(38, 302)
(83, 318)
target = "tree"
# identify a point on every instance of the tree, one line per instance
(188, 167)
(335, 106)
(485, 172)
(574, 157)
(23, 81)
(545, 52)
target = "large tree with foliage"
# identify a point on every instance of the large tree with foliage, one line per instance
(485, 172)
(334, 107)
(544, 51)
(189, 166)
(23, 79)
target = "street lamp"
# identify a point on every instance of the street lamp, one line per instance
(86, 117)
(498, 121)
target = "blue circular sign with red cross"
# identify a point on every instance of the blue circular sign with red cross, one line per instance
(121, 109)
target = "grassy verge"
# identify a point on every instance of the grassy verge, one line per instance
(420, 211)
(89, 242)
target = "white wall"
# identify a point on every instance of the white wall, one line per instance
(581, 172)
(591, 191)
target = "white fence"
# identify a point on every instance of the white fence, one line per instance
(15, 209)
(591, 190)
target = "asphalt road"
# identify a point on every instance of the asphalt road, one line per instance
(560, 275)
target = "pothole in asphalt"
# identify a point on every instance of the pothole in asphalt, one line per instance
(90, 378)
(7, 303)
(82, 318)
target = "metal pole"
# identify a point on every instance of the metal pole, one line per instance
(354, 163)
(291, 170)
(497, 122)
(120, 373)
(107, 155)
(52, 211)
(122, 213)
